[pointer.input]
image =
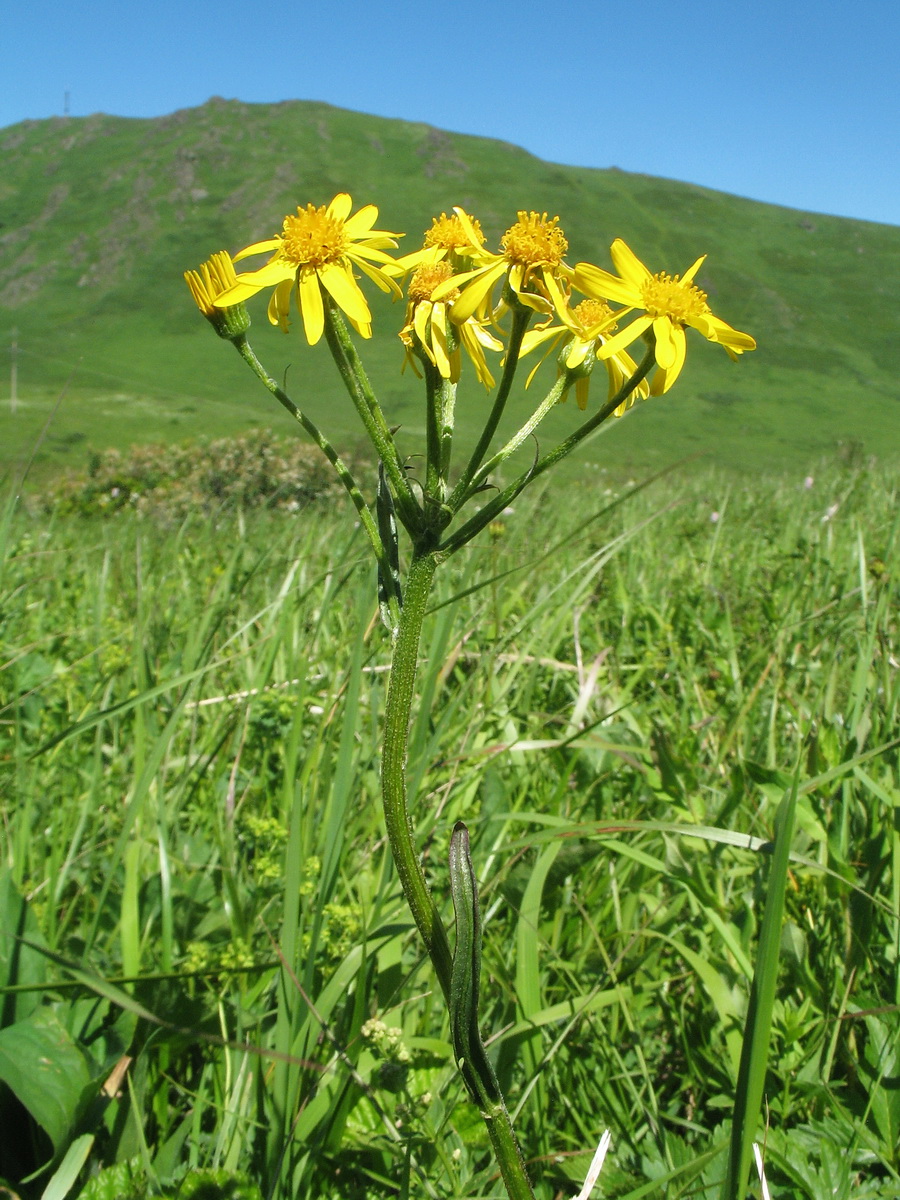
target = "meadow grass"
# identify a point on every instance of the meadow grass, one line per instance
(619, 687)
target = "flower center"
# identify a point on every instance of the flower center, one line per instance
(590, 313)
(667, 296)
(427, 278)
(449, 233)
(312, 238)
(535, 239)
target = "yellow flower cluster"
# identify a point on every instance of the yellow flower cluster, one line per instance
(450, 297)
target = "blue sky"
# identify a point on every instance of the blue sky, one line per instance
(795, 103)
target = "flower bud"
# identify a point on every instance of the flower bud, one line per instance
(213, 278)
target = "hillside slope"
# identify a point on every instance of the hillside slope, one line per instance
(99, 216)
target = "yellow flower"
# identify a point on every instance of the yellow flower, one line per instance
(584, 330)
(215, 277)
(669, 303)
(429, 321)
(456, 239)
(317, 249)
(531, 263)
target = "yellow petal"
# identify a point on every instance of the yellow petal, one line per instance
(624, 337)
(469, 229)
(420, 321)
(535, 337)
(457, 281)
(469, 336)
(730, 338)
(475, 293)
(666, 352)
(688, 276)
(378, 276)
(538, 303)
(340, 207)
(680, 352)
(430, 254)
(556, 294)
(310, 297)
(236, 295)
(628, 264)
(473, 329)
(600, 285)
(258, 248)
(439, 348)
(361, 222)
(666, 376)
(345, 290)
(280, 305)
(577, 353)
(268, 275)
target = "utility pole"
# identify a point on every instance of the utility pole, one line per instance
(14, 372)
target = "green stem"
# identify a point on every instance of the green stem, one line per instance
(574, 439)
(447, 397)
(553, 397)
(434, 483)
(520, 320)
(486, 514)
(357, 384)
(367, 520)
(398, 707)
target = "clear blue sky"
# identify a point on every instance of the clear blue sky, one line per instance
(793, 102)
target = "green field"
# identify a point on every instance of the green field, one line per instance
(660, 689)
(192, 844)
(99, 217)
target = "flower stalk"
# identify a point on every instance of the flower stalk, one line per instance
(360, 390)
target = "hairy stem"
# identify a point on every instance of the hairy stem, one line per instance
(486, 514)
(398, 708)
(357, 384)
(520, 320)
(367, 520)
(401, 687)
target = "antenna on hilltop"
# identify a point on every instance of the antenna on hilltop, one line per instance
(65, 104)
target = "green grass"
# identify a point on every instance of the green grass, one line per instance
(190, 811)
(101, 216)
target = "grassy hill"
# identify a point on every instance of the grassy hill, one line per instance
(99, 216)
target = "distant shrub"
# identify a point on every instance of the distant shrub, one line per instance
(256, 470)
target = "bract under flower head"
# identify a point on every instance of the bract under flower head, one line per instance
(531, 264)
(318, 248)
(431, 327)
(669, 303)
(579, 337)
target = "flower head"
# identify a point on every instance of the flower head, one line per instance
(582, 331)
(208, 283)
(531, 263)
(431, 328)
(459, 233)
(669, 303)
(456, 239)
(318, 248)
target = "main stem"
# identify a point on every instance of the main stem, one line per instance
(398, 708)
(401, 688)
